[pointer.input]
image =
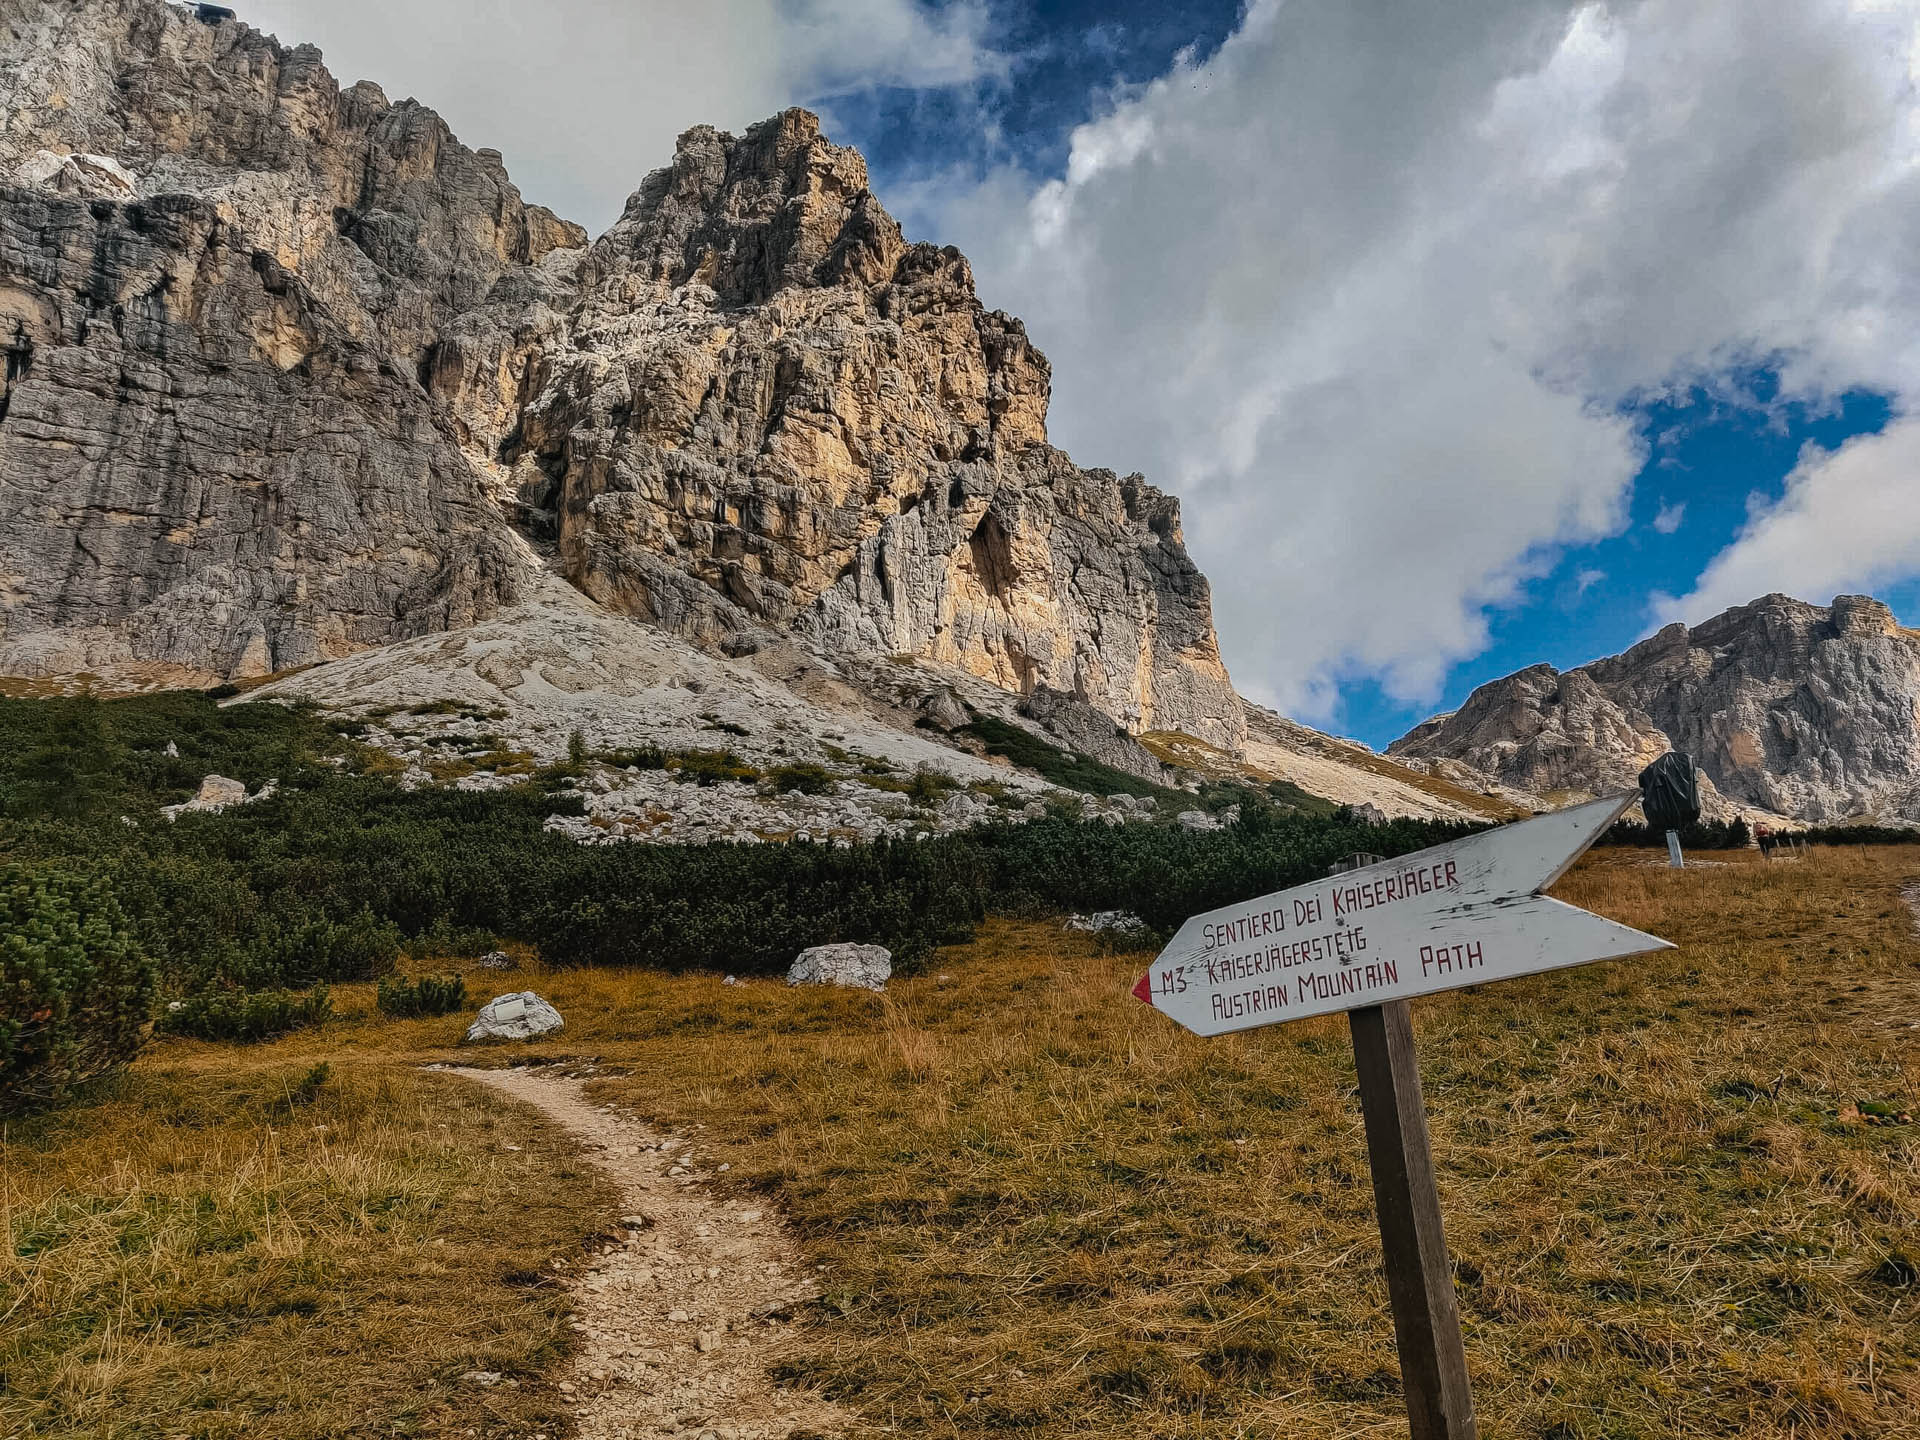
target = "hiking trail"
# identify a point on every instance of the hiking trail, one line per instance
(680, 1322)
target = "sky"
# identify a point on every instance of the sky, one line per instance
(1470, 335)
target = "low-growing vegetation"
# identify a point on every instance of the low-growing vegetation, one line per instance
(246, 1015)
(326, 880)
(424, 995)
(1858, 835)
(804, 778)
(1065, 768)
(76, 985)
(1701, 835)
(1680, 1189)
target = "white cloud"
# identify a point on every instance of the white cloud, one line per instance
(1671, 515)
(1375, 287)
(1848, 521)
(1585, 580)
(835, 45)
(584, 97)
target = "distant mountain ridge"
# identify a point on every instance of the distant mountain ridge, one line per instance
(1804, 711)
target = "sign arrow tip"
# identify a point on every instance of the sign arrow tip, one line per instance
(1143, 991)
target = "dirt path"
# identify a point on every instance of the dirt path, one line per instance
(680, 1321)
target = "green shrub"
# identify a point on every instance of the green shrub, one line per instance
(806, 778)
(429, 995)
(1701, 835)
(246, 1015)
(319, 948)
(75, 985)
(712, 767)
(638, 757)
(323, 880)
(1858, 835)
(930, 787)
(1066, 768)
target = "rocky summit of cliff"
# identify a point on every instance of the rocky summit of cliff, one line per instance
(1804, 711)
(292, 373)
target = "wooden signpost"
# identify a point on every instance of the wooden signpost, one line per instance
(1365, 941)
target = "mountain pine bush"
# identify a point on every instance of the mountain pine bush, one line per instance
(429, 995)
(245, 1015)
(75, 985)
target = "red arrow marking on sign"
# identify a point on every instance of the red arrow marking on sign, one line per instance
(1143, 992)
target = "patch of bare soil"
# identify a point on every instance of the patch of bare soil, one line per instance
(684, 1312)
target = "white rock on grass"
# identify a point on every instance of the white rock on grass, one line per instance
(495, 960)
(866, 967)
(1121, 921)
(520, 1016)
(216, 793)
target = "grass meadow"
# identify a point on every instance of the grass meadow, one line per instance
(1045, 1210)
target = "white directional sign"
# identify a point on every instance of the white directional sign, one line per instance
(1459, 914)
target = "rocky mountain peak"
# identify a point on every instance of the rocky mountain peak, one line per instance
(1806, 711)
(293, 372)
(747, 216)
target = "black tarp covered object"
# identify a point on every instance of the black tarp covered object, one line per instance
(1669, 792)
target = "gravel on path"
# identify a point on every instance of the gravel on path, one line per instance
(680, 1317)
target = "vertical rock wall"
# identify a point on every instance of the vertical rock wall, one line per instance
(292, 372)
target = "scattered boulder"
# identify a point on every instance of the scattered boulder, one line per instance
(964, 808)
(865, 967)
(1369, 814)
(1123, 922)
(495, 960)
(216, 793)
(943, 708)
(1197, 820)
(172, 751)
(520, 1016)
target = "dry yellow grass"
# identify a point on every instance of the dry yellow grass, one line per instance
(1046, 1209)
(227, 1243)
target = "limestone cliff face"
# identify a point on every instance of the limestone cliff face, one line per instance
(215, 456)
(1807, 711)
(769, 410)
(290, 372)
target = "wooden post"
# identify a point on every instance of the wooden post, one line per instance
(1426, 1315)
(1674, 862)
